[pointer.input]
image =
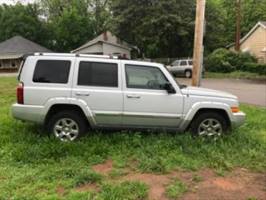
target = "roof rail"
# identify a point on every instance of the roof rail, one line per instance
(76, 55)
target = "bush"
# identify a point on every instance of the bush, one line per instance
(254, 68)
(223, 60)
(218, 61)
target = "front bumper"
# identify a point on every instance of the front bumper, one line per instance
(238, 119)
(28, 113)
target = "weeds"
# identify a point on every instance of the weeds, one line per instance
(33, 164)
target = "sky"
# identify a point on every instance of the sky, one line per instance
(12, 2)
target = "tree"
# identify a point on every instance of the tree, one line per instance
(252, 11)
(161, 28)
(22, 20)
(73, 22)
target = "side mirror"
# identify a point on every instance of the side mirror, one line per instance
(169, 88)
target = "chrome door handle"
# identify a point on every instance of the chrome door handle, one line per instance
(132, 96)
(82, 94)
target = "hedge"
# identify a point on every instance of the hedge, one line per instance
(223, 60)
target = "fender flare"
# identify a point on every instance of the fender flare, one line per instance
(204, 105)
(71, 101)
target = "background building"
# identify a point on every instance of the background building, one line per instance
(12, 51)
(254, 42)
(106, 44)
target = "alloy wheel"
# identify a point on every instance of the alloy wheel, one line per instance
(66, 129)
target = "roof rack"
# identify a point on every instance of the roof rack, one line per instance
(76, 55)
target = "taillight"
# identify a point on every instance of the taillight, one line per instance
(20, 93)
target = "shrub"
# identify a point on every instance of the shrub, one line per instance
(223, 60)
(254, 68)
(218, 61)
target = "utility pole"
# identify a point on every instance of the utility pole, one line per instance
(238, 20)
(198, 42)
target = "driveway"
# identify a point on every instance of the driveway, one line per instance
(247, 91)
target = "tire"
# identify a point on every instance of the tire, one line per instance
(67, 125)
(209, 124)
(188, 73)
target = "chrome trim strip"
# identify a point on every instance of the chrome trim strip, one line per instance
(137, 114)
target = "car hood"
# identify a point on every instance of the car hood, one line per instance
(199, 91)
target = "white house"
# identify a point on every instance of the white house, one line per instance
(106, 44)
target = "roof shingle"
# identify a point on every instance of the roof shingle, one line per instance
(20, 45)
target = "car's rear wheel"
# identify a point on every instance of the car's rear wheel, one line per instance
(188, 73)
(209, 124)
(67, 125)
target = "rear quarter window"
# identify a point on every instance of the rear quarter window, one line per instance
(51, 71)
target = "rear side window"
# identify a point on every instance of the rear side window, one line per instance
(98, 74)
(51, 71)
(183, 62)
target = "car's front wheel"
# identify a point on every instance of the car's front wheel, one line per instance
(209, 124)
(67, 125)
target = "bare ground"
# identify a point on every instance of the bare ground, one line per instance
(239, 184)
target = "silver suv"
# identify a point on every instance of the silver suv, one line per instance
(69, 93)
(181, 67)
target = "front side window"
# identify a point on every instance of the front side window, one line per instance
(145, 77)
(98, 74)
(51, 71)
(190, 62)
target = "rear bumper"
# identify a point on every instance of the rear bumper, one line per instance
(28, 113)
(238, 119)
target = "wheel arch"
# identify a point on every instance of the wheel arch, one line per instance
(220, 111)
(201, 107)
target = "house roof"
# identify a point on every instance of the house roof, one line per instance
(17, 46)
(108, 38)
(259, 24)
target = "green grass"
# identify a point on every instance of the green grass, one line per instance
(176, 189)
(236, 75)
(32, 165)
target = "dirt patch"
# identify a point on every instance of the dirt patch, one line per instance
(239, 184)
(156, 184)
(103, 168)
(88, 187)
(60, 190)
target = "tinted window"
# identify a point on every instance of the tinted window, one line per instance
(190, 62)
(98, 74)
(175, 63)
(183, 62)
(144, 77)
(51, 71)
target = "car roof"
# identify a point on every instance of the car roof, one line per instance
(97, 57)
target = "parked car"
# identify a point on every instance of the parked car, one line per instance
(182, 67)
(69, 93)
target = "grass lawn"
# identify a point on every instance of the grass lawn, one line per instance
(236, 75)
(34, 166)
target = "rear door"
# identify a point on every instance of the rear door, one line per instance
(98, 82)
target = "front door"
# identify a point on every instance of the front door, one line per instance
(146, 102)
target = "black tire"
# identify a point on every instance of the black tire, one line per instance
(202, 117)
(81, 123)
(188, 72)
